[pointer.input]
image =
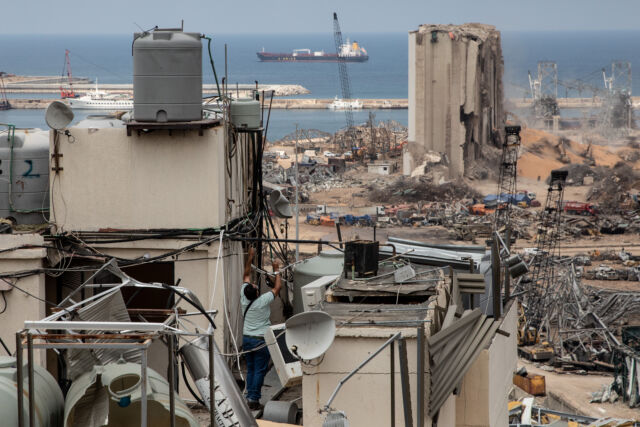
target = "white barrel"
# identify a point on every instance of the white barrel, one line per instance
(48, 398)
(115, 393)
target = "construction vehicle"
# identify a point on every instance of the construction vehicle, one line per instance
(67, 93)
(530, 345)
(580, 208)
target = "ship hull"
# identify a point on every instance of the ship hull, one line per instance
(287, 57)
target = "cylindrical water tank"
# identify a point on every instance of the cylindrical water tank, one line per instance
(327, 263)
(48, 398)
(245, 113)
(24, 182)
(167, 76)
(115, 390)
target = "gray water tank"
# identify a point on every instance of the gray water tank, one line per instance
(28, 202)
(48, 398)
(329, 262)
(167, 76)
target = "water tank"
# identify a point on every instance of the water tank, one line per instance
(327, 263)
(167, 76)
(115, 390)
(28, 202)
(49, 401)
(245, 113)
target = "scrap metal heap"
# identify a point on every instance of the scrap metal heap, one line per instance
(541, 279)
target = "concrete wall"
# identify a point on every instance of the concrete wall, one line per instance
(366, 397)
(455, 93)
(19, 305)
(145, 181)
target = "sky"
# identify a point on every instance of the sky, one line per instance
(310, 16)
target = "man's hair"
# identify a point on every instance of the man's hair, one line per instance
(251, 292)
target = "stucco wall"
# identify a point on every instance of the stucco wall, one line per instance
(154, 180)
(366, 397)
(19, 305)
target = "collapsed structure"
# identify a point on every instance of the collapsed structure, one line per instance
(455, 93)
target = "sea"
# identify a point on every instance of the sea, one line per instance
(580, 57)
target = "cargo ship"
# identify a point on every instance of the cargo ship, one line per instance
(349, 52)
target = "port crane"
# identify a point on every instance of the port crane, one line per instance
(345, 84)
(66, 70)
(4, 102)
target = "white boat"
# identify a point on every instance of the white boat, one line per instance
(341, 104)
(101, 100)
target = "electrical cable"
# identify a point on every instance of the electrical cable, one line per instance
(5, 347)
(4, 298)
(186, 382)
(213, 67)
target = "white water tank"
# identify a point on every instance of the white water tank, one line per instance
(330, 262)
(48, 398)
(116, 392)
(28, 175)
(167, 76)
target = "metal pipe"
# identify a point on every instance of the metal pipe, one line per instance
(32, 412)
(105, 265)
(20, 379)
(353, 372)
(392, 362)
(172, 379)
(212, 400)
(143, 388)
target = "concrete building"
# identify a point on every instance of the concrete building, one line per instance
(381, 168)
(466, 387)
(455, 93)
(159, 196)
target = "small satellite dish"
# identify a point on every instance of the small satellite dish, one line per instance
(280, 205)
(310, 334)
(58, 115)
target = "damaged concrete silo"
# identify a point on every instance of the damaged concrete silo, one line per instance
(455, 93)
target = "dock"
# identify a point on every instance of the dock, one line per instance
(278, 103)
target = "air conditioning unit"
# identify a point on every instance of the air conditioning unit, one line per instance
(287, 366)
(313, 293)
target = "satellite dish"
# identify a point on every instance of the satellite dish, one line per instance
(310, 334)
(280, 205)
(58, 115)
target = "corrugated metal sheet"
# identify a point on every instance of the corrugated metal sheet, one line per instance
(454, 349)
(110, 308)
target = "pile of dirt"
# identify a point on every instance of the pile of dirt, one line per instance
(420, 189)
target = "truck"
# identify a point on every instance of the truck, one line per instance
(580, 208)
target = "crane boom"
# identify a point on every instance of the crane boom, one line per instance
(345, 84)
(67, 93)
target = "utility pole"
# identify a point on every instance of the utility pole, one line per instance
(297, 202)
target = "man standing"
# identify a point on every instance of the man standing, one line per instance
(256, 309)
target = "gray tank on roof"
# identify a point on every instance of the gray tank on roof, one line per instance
(167, 76)
(24, 176)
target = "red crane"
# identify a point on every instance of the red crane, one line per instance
(67, 93)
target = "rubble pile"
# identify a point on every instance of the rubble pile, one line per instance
(612, 190)
(421, 189)
(584, 324)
